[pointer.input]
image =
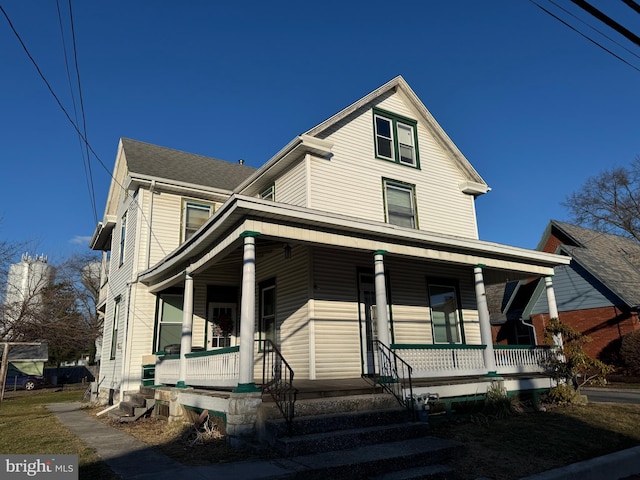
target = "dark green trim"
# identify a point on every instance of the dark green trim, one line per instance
(181, 384)
(522, 347)
(380, 252)
(210, 353)
(436, 346)
(395, 118)
(493, 375)
(481, 265)
(246, 388)
(173, 356)
(249, 233)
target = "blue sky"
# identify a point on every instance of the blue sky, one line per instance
(535, 107)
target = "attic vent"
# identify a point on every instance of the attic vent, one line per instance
(241, 162)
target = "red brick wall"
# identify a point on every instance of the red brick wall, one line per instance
(603, 325)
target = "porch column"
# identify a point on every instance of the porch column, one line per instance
(187, 329)
(382, 320)
(485, 324)
(246, 382)
(553, 306)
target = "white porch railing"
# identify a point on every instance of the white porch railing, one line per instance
(429, 361)
(521, 359)
(432, 361)
(212, 368)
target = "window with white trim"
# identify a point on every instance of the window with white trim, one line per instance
(396, 138)
(268, 323)
(194, 215)
(400, 203)
(169, 331)
(123, 237)
(269, 193)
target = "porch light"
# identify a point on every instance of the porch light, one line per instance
(287, 251)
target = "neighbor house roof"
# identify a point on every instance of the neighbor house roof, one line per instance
(612, 259)
(158, 162)
(32, 353)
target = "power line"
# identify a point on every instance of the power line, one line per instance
(75, 114)
(73, 124)
(84, 118)
(583, 35)
(607, 21)
(633, 5)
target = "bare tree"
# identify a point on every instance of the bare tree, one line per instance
(609, 202)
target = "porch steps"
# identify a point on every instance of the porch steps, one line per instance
(135, 406)
(381, 442)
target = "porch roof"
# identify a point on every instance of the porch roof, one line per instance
(290, 223)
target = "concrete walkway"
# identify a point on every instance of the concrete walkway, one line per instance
(133, 460)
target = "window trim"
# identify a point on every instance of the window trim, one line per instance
(174, 293)
(454, 284)
(400, 185)
(114, 328)
(269, 193)
(263, 287)
(395, 119)
(186, 203)
(123, 238)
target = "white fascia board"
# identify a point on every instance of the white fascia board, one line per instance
(298, 146)
(474, 188)
(181, 187)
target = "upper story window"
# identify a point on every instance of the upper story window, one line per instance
(269, 193)
(396, 138)
(194, 216)
(400, 203)
(123, 238)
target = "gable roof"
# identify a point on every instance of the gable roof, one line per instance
(153, 161)
(399, 84)
(612, 259)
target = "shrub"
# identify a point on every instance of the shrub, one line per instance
(630, 352)
(562, 394)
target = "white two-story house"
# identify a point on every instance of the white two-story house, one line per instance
(357, 241)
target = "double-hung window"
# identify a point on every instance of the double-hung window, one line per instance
(268, 324)
(194, 216)
(400, 203)
(396, 138)
(114, 328)
(169, 331)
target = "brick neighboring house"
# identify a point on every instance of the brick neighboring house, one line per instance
(597, 294)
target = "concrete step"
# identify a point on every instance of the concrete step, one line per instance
(365, 462)
(349, 438)
(430, 472)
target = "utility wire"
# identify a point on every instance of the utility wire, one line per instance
(64, 110)
(84, 118)
(633, 5)
(607, 21)
(585, 36)
(75, 114)
(594, 28)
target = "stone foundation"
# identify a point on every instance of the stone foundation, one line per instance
(241, 417)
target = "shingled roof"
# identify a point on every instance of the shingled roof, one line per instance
(614, 260)
(175, 165)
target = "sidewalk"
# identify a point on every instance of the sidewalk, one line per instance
(133, 460)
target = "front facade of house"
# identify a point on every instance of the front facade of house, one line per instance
(361, 230)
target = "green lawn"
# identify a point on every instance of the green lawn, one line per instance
(28, 427)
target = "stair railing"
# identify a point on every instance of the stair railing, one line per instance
(394, 375)
(277, 380)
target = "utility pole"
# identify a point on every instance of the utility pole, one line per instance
(4, 365)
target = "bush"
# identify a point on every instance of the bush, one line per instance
(562, 394)
(630, 352)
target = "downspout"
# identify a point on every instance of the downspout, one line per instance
(125, 343)
(150, 219)
(530, 325)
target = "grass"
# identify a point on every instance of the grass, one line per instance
(511, 446)
(28, 427)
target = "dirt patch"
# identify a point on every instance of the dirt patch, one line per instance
(179, 441)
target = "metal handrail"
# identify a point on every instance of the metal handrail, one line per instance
(395, 375)
(277, 380)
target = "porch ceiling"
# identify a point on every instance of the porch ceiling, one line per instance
(288, 223)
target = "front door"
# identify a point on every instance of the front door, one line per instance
(368, 330)
(221, 325)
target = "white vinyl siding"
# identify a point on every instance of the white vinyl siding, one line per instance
(292, 185)
(350, 182)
